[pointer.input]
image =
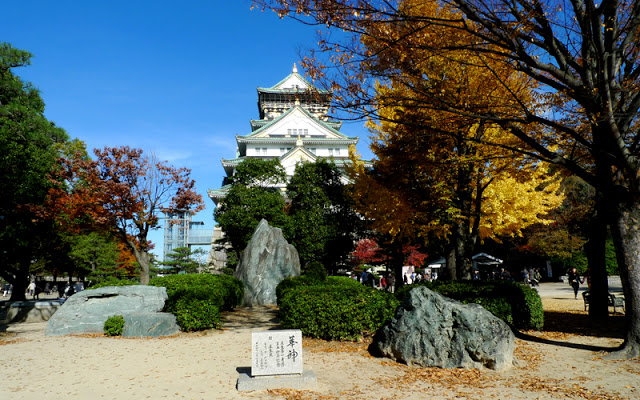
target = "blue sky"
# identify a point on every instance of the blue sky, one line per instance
(174, 78)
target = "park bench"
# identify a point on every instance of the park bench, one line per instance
(613, 301)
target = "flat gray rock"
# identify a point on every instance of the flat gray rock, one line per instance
(86, 311)
(149, 324)
(266, 261)
(430, 330)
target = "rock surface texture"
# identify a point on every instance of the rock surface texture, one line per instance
(86, 311)
(431, 330)
(266, 261)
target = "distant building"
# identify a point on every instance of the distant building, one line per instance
(293, 127)
(181, 231)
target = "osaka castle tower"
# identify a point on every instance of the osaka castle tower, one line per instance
(293, 126)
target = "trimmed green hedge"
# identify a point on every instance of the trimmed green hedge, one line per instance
(111, 281)
(305, 280)
(336, 309)
(518, 305)
(198, 299)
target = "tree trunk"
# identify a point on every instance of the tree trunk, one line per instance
(19, 289)
(397, 261)
(595, 251)
(20, 281)
(449, 273)
(459, 256)
(143, 258)
(464, 253)
(626, 236)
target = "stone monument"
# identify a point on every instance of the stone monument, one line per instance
(430, 330)
(276, 362)
(265, 262)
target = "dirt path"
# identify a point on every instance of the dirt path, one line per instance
(562, 362)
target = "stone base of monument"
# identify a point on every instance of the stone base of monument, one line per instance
(28, 310)
(306, 380)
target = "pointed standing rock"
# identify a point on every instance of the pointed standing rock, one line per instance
(265, 262)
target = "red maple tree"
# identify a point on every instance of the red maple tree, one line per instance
(122, 191)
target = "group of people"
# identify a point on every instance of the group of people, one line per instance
(531, 276)
(34, 289)
(415, 278)
(367, 278)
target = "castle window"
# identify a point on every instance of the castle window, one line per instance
(297, 131)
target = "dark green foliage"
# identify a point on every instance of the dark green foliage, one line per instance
(113, 325)
(336, 309)
(181, 260)
(111, 281)
(251, 199)
(323, 223)
(316, 270)
(518, 305)
(580, 262)
(28, 147)
(305, 280)
(94, 254)
(198, 299)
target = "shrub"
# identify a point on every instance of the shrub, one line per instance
(518, 305)
(198, 299)
(315, 270)
(113, 325)
(112, 281)
(304, 280)
(339, 308)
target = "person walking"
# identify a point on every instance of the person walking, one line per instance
(363, 278)
(574, 281)
(383, 283)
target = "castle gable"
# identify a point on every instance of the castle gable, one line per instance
(296, 122)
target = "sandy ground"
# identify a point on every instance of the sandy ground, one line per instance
(562, 362)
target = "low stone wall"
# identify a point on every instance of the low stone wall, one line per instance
(28, 311)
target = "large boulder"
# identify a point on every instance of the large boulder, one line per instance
(86, 311)
(266, 261)
(430, 330)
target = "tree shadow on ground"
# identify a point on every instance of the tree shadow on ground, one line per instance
(247, 318)
(560, 323)
(579, 323)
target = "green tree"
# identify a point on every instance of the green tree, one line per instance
(252, 197)
(324, 225)
(94, 254)
(181, 260)
(27, 140)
